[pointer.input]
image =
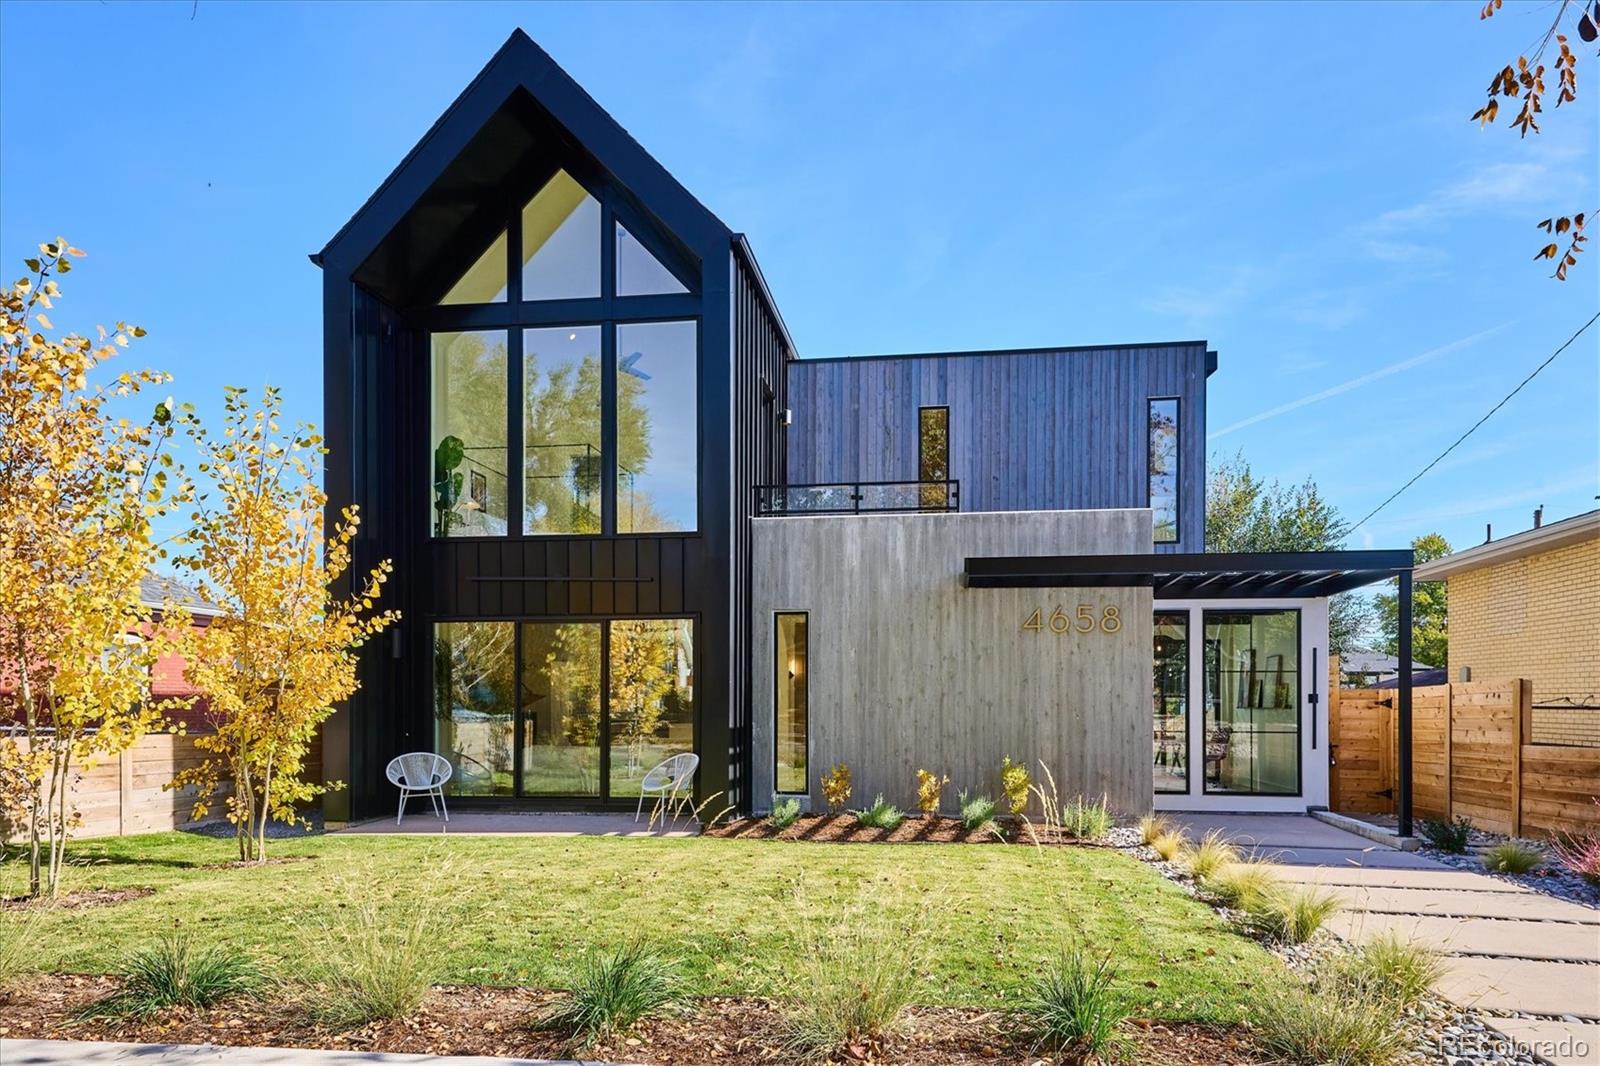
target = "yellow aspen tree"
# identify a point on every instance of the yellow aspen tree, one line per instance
(283, 651)
(79, 492)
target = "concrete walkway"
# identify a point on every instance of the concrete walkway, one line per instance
(524, 823)
(1508, 949)
(93, 1053)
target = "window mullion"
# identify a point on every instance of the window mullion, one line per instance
(608, 374)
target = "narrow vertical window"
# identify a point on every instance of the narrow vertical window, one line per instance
(1164, 468)
(658, 455)
(789, 732)
(1171, 734)
(933, 457)
(561, 460)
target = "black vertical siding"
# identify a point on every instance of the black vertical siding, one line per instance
(1037, 430)
(761, 355)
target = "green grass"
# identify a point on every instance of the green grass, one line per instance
(526, 910)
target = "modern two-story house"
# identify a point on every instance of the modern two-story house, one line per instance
(628, 519)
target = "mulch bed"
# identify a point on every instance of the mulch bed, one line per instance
(74, 901)
(846, 829)
(476, 1020)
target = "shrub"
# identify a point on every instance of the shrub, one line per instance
(1214, 853)
(1152, 826)
(881, 815)
(1396, 971)
(1073, 1006)
(1326, 1024)
(612, 991)
(1238, 884)
(173, 972)
(19, 929)
(373, 963)
(855, 973)
(1014, 785)
(1083, 820)
(1169, 844)
(1290, 915)
(1513, 858)
(785, 812)
(836, 787)
(1452, 837)
(930, 787)
(977, 814)
(1581, 855)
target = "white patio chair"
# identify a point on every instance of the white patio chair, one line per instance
(420, 773)
(668, 778)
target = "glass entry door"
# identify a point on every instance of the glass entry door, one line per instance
(576, 710)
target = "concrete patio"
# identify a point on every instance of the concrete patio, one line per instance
(1509, 949)
(524, 823)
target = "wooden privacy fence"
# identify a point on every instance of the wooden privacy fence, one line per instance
(1472, 756)
(123, 795)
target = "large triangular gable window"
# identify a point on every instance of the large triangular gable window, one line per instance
(485, 281)
(639, 273)
(561, 242)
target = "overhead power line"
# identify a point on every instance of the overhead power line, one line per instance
(1478, 423)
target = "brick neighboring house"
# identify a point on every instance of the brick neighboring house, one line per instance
(1528, 605)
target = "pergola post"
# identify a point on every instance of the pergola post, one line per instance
(1403, 708)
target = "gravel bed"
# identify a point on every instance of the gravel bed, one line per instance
(276, 830)
(1446, 1034)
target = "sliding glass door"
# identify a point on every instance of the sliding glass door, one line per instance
(561, 710)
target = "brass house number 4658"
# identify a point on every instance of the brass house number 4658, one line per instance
(1084, 621)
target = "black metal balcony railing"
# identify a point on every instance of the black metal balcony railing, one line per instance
(859, 497)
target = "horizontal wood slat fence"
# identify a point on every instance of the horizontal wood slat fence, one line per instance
(1472, 756)
(123, 795)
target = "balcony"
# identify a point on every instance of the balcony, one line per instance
(859, 497)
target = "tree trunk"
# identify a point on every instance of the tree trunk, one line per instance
(244, 812)
(36, 797)
(266, 812)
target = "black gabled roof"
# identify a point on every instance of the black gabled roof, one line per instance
(1208, 575)
(522, 68)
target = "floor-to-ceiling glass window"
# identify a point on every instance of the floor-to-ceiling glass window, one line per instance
(474, 705)
(468, 417)
(574, 709)
(561, 708)
(657, 430)
(650, 702)
(1252, 702)
(1171, 702)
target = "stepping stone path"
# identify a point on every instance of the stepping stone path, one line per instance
(1528, 961)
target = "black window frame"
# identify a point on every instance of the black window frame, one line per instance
(1177, 464)
(777, 675)
(1188, 683)
(607, 311)
(1299, 701)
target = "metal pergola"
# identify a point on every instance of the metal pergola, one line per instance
(1228, 575)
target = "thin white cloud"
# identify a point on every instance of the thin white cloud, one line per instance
(1572, 480)
(1356, 383)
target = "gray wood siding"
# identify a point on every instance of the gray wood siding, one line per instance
(1042, 430)
(908, 669)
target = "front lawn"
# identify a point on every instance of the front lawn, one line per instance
(522, 909)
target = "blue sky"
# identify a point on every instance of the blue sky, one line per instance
(1298, 184)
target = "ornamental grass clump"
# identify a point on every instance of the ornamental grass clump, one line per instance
(1327, 1022)
(1388, 968)
(1170, 844)
(378, 958)
(1581, 855)
(1240, 884)
(1212, 854)
(1073, 1008)
(1511, 857)
(19, 929)
(175, 972)
(855, 971)
(1290, 915)
(785, 812)
(612, 991)
(881, 815)
(1152, 826)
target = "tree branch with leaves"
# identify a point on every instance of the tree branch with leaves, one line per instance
(283, 652)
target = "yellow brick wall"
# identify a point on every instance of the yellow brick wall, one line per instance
(1536, 617)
